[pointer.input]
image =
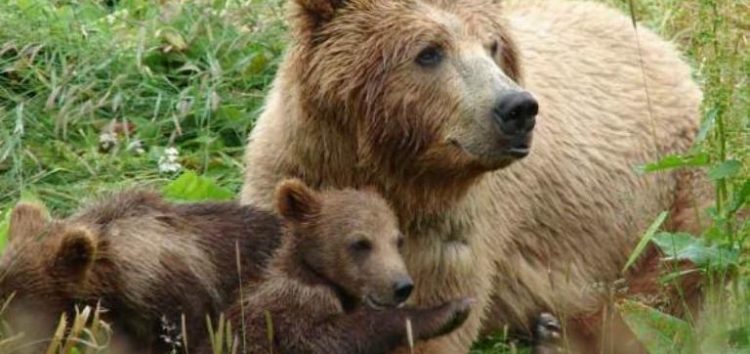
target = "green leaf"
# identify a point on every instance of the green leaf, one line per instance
(706, 125)
(4, 224)
(191, 187)
(740, 197)
(657, 331)
(30, 197)
(725, 169)
(645, 239)
(740, 336)
(682, 246)
(675, 161)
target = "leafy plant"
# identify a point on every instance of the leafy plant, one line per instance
(191, 187)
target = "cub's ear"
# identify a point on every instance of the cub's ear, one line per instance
(313, 13)
(27, 220)
(295, 201)
(77, 251)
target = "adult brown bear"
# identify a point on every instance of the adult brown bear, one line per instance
(428, 100)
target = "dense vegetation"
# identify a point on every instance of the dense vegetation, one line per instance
(97, 96)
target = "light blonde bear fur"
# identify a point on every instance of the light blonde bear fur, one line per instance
(539, 233)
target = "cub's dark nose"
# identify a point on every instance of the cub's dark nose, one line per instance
(515, 113)
(402, 289)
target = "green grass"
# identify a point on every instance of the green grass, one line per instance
(193, 80)
(194, 77)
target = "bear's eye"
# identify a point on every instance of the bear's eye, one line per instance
(361, 246)
(494, 47)
(400, 241)
(430, 56)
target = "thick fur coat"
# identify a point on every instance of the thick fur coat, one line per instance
(336, 281)
(146, 261)
(351, 107)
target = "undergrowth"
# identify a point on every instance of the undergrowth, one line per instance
(96, 97)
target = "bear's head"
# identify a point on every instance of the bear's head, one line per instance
(427, 88)
(349, 238)
(44, 268)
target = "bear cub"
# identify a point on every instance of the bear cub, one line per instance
(337, 283)
(146, 261)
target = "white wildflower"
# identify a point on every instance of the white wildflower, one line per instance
(107, 141)
(168, 163)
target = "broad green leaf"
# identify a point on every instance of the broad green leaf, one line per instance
(674, 243)
(725, 169)
(191, 187)
(657, 331)
(675, 161)
(645, 239)
(682, 246)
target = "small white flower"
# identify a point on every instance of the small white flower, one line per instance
(107, 141)
(168, 163)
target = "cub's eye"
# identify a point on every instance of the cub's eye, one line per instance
(430, 56)
(494, 47)
(361, 246)
(400, 241)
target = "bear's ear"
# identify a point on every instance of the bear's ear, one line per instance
(295, 201)
(27, 220)
(77, 251)
(313, 13)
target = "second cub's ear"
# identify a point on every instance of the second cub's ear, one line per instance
(77, 251)
(27, 220)
(296, 201)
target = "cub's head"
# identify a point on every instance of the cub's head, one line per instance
(43, 268)
(350, 238)
(427, 87)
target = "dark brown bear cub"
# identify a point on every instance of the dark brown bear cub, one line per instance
(335, 283)
(147, 261)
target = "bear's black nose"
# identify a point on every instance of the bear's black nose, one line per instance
(402, 289)
(515, 113)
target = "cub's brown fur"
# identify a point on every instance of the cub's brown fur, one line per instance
(146, 260)
(334, 284)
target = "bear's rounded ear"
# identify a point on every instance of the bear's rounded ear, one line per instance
(313, 13)
(295, 201)
(77, 251)
(27, 220)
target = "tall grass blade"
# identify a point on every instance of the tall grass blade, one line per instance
(645, 240)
